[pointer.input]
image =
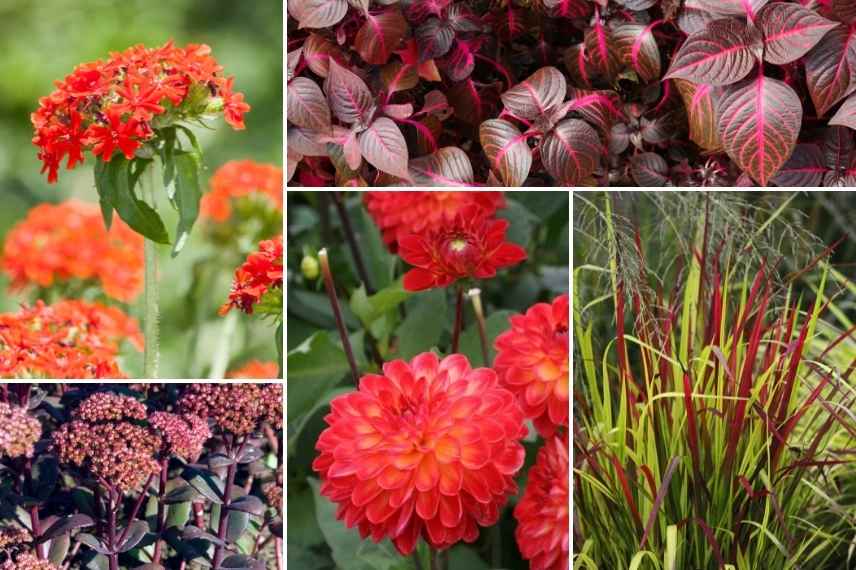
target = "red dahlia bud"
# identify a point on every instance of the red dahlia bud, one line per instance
(532, 361)
(427, 449)
(543, 511)
(19, 431)
(183, 434)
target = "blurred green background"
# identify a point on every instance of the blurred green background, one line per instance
(41, 42)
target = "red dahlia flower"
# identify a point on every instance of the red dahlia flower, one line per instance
(240, 178)
(532, 361)
(427, 449)
(69, 339)
(60, 242)
(544, 510)
(261, 272)
(399, 214)
(118, 104)
(470, 246)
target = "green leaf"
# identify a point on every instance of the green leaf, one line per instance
(424, 324)
(523, 222)
(465, 558)
(238, 521)
(314, 368)
(136, 213)
(369, 309)
(188, 192)
(167, 158)
(379, 262)
(470, 346)
(178, 514)
(350, 552)
(106, 191)
(207, 484)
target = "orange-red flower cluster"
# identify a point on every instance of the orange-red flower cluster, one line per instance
(237, 179)
(255, 370)
(532, 361)
(105, 106)
(471, 246)
(69, 339)
(429, 448)
(260, 272)
(399, 214)
(543, 512)
(60, 242)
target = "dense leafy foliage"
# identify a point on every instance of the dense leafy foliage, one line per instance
(571, 92)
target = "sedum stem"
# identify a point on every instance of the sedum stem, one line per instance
(151, 353)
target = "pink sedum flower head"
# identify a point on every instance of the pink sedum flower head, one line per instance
(107, 406)
(183, 434)
(428, 448)
(19, 431)
(532, 361)
(27, 561)
(235, 408)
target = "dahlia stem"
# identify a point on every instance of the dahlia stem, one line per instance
(161, 516)
(150, 324)
(220, 357)
(353, 244)
(475, 296)
(459, 319)
(330, 285)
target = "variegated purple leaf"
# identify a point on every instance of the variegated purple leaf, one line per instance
(724, 53)
(449, 166)
(790, 31)
(831, 69)
(306, 141)
(317, 51)
(758, 121)
(293, 62)
(317, 13)
(649, 169)
(701, 114)
(383, 146)
(434, 39)
(599, 108)
(535, 95)
(571, 152)
(380, 35)
(805, 168)
(844, 10)
(846, 114)
(506, 150)
(638, 49)
(349, 97)
(306, 105)
(694, 18)
(602, 52)
(749, 8)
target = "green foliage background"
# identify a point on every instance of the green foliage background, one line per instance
(318, 370)
(41, 42)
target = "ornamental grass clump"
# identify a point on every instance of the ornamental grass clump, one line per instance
(705, 431)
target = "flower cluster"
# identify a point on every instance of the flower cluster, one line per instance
(261, 272)
(60, 242)
(109, 407)
(543, 511)
(27, 561)
(255, 370)
(399, 214)
(119, 104)
(471, 246)
(273, 492)
(19, 431)
(183, 434)
(13, 536)
(69, 339)
(237, 179)
(532, 361)
(234, 408)
(429, 448)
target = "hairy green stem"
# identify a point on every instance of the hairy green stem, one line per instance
(151, 353)
(220, 356)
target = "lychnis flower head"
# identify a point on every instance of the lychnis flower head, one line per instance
(428, 448)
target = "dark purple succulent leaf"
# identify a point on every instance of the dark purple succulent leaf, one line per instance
(723, 53)
(136, 531)
(758, 121)
(649, 169)
(805, 168)
(790, 31)
(64, 525)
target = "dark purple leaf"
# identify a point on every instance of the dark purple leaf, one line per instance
(571, 152)
(380, 35)
(536, 94)
(398, 111)
(449, 166)
(838, 148)
(602, 51)
(434, 39)
(758, 121)
(600, 108)
(657, 130)
(845, 10)
(830, 69)
(638, 49)
(136, 531)
(383, 146)
(701, 114)
(568, 8)
(462, 20)
(66, 524)
(693, 18)
(306, 105)
(350, 99)
(790, 31)
(724, 53)
(846, 114)
(619, 138)
(317, 51)
(460, 61)
(805, 168)
(649, 169)
(575, 59)
(467, 102)
(733, 7)
(317, 13)
(506, 150)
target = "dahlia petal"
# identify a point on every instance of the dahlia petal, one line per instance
(491, 430)
(392, 478)
(413, 250)
(406, 541)
(428, 473)
(558, 411)
(510, 462)
(471, 534)
(425, 365)
(418, 279)
(407, 461)
(465, 433)
(341, 469)
(475, 485)
(464, 408)
(365, 492)
(405, 515)
(475, 455)
(447, 450)
(536, 393)
(451, 479)
(427, 504)
(370, 465)
(436, 532)
(369, 441)
(399, 372)
(456, 366)
(379, 509)
(451, 512)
